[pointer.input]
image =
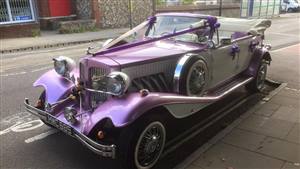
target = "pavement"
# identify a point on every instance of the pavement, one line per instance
(265, 137)
(268, 135)
(50, 39)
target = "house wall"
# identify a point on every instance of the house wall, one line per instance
(19, 30)
(83, 9)
(116, 13)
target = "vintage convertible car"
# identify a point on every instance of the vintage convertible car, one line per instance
(127, 98)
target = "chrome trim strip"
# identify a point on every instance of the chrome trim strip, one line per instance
(242, 38)
(100, 91)
(103, 150)
(209, 98)
(178, 70)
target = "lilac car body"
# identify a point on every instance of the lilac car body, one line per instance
(162, 57)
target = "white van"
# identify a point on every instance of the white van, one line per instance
(290, 5)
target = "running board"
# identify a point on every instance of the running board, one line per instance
(212, 97)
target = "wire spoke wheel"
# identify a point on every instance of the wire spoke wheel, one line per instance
(261, 75)
(150, 145)
(196, 78)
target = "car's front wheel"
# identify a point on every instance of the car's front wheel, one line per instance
(142, 144)
(41, 106)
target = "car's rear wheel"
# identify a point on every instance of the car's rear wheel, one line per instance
(258, 84)
(142, 144)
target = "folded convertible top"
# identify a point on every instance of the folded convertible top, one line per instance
(252, 26)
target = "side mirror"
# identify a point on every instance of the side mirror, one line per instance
(107, 42)
(211, 44)
(225, 41)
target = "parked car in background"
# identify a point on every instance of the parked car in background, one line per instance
(290, 5)
(129, 100)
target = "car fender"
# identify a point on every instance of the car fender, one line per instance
(55, 85)
(122, 111)
(126, 110)
(258, 55)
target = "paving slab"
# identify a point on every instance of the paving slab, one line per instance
(267, 110)
(223, 156)
(286, 101)
(291, 166)
(294, 134)
(267, 126)
(290, 114)
(290, 92)
(244, 139)
(281, 149)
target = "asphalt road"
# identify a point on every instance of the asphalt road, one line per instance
(26, 143)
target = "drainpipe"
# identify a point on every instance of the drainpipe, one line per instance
(220, 7)
(130, 13)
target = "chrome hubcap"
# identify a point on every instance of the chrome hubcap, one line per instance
(150, 145)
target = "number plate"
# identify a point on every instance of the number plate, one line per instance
(59, 125)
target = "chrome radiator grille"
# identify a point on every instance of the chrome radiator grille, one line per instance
(97, 98)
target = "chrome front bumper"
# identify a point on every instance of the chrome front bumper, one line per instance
(103, 150)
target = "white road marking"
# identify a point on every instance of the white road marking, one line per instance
(13, 74)
(31, 125)
(20, 122)
(283, 34)
(285, 48)
(41, 136)
(9, 129)
(21, 73)
(40, 69)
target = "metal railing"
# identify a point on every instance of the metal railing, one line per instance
(16, 11)
(260, 8)
(211, 7)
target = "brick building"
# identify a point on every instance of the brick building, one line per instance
(18, 18)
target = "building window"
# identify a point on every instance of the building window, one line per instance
(16, 11)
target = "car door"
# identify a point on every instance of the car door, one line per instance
(244, 54)
(223, 63)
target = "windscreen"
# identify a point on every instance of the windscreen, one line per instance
(170, 24)
(162, 26)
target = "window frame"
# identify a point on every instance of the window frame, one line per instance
(9, 12)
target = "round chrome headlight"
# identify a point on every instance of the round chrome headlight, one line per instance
(64, 65)
(117, 83)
